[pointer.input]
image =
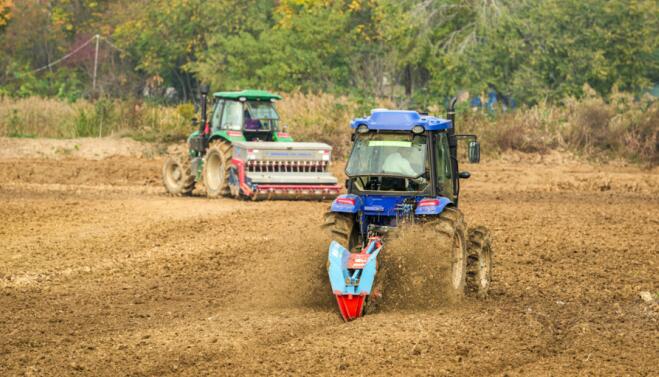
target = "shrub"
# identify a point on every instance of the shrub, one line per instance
(622, 126)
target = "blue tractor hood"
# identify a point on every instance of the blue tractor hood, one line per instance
(401, 120)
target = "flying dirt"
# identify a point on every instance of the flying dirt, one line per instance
(102, 273)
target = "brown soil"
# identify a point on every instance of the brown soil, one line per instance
(102, 274)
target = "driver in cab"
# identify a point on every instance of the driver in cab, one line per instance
(400, 163)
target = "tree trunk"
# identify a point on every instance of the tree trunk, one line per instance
(407, 80)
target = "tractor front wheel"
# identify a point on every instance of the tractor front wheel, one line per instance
(177, 174)
(479, 263)
(216, 168)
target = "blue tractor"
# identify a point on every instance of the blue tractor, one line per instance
(403, 169)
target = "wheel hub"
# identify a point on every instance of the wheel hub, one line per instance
(176, 173)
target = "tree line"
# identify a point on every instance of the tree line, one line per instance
(419, 51)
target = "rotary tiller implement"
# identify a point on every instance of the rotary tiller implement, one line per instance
(352, 276)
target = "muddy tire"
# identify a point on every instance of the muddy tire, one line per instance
(343, 229)
(177, 175)
(216, 168)
(479, 262)
(451, 228)
(424, 264)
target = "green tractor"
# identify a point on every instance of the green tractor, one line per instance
(242, 151)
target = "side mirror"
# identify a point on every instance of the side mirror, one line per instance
(464, 175)
(204, 89)
(474, 152)
(348, 185)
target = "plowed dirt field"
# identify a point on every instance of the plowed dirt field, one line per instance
(101, 273)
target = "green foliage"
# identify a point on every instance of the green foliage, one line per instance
(550, 49)
(96, 121)
(415, 52)
(169, 36)
(14, 124)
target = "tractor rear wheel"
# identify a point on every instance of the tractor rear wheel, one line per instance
(177, 174)
(216, 168)
(479, 262)
(343, 229)
(450, 226)
(424, 265)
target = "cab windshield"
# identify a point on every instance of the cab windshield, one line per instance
(388, 162)
(261, 116)
(388, 154)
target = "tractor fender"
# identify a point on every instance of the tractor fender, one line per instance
(228, 135)
(192, 136)
(432, 206)
(347, 203)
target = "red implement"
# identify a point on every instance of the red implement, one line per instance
(351, 306)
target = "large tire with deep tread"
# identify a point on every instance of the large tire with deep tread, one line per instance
(479, 262)
(343, 229)
(424, 264)
(451, 228)
(217, 163)
(177, 175)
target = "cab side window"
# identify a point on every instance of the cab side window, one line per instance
(444, 172)
(217, 114)
(232, 116)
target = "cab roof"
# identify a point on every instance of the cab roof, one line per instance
(249, 95)
(401, 120)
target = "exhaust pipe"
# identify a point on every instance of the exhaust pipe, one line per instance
(203, 127)
(453, 145)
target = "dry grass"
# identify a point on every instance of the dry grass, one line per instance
(44, 117)
(321, 117)
(324, 117)
(39, 117)
(534, 130)
(622, 127)
(618, 127)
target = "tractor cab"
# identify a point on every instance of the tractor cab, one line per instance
(251, 112)
(390, 162)
(402, 153)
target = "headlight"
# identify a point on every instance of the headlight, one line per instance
(362, 129)
(418, 130)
